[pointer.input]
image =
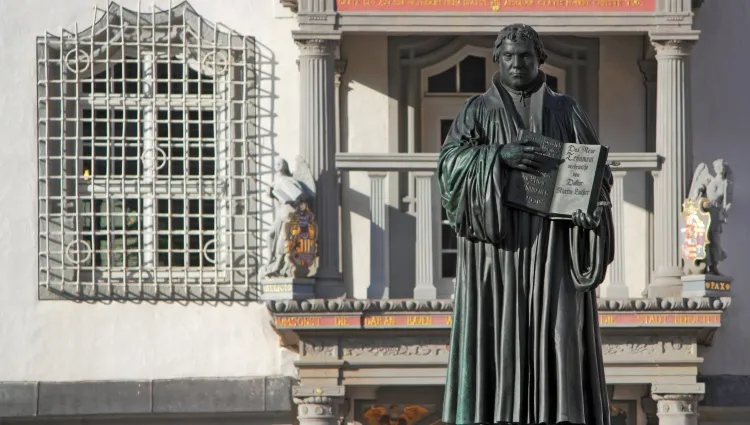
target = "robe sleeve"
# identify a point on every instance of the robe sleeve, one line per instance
(471, 177)
(591, 250)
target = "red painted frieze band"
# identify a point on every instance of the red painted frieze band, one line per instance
(444, 321)
(570, 6)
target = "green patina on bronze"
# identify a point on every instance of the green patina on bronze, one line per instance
(525, 341)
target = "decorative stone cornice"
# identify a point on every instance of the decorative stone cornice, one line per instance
(446, 306)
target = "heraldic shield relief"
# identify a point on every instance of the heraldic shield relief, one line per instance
(694, 225)
(302, 241)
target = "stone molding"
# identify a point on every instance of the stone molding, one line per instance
(666, 346)
(270, 395)
(649, 345)
(446, 306)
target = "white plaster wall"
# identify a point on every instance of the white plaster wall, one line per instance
(364, 110)
(61, 340)
(719, 65)
(622, 126)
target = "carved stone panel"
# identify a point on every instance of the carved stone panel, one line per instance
(396, 347)
(320, 347)
(667, 346)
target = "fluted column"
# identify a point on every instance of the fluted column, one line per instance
(425, 261)
(617, 287)
(674, 145)
(318, 147)
(379, 240)
(677, 409)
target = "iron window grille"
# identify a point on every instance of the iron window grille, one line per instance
(146, 159)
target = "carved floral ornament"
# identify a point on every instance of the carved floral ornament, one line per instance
(446, 306)
(672, 49)
(316, 46)
(314, 406)
(678, 404)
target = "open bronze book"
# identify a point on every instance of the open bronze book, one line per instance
(570, 179)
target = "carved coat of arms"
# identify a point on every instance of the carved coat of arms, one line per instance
(302, 241)
(695, 222)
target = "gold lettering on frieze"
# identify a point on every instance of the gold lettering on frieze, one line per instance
(380, 321)
(419, 321)
(606, 319)
(652, 319)
(449, 320)
(340, 321)
(696, 319)
(298, 322)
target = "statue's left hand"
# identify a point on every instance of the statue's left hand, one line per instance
(587, 221)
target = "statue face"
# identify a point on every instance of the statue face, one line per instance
(279, 165)
(519, 64)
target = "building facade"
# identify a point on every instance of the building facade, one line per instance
(141, 141)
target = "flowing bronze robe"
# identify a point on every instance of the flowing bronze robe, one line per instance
(525, 343)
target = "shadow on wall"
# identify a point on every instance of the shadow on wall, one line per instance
(264, 142)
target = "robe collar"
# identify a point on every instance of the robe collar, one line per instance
(498, 97)
(539, 81)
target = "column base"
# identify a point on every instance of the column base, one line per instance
(425, 293)
(666, 286)
(617, 292)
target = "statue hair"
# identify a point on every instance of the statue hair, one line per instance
(519, 32)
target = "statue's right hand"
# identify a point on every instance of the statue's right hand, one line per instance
(522, 156)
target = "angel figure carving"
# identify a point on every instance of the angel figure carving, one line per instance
(288, 192)
(716, 188)
(408, 415)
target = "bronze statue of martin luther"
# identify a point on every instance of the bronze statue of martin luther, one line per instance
(525, 342)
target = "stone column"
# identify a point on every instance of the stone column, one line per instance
(617, 287)
(648, 69)
(318, 148)
(677, 409)
(316, 410)
(673, 144)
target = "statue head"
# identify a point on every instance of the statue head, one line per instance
(720, 168)
(281, 166)
(519, 52)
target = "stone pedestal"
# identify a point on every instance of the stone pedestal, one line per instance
(677, 409)
(706, 285)
(287, 288)
(674, 145)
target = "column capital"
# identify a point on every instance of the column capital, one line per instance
(316, 44)
(677, 404)
(673, 45)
